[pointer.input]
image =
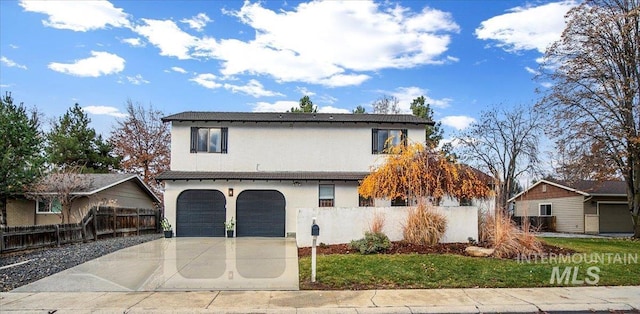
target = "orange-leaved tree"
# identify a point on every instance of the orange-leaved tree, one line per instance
(417, 173)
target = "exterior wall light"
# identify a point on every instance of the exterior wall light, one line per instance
(230, 192)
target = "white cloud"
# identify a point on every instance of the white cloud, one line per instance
(13, 46)
(80, 16)
(179, 70)
(458, 122)
(197, 22)
(348, 38)
(137, 80)
(532, 70)
(105, 110)
(407, 94)
(206, 80)
(526, 28)
(168, 37)
(134, 42)
(453, 59)
(546, 84)
(278, 106)
(253, 88)
(10, 63)
(304, 91)
(100, 63)
(331, 109)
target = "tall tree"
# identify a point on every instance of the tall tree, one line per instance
(594, 102)
(505, 144)
(305, 106)
(421, 109)
(143, 141)
(72, 143)
(21, 151)
(360, 109)
(386, 105)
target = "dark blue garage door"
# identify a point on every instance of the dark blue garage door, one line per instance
(200, 213)
(260, 213)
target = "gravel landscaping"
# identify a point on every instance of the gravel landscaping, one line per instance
(37, 264)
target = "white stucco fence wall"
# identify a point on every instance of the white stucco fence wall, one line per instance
(341, 225)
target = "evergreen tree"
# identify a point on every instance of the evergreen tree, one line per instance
(305, 106)
(21, 152)
(72, 143)
(423, 110)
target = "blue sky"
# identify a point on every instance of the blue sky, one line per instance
(463, 56)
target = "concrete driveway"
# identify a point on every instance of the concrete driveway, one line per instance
(184, 264)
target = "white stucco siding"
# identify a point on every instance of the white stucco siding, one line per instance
(304, 195)
(284, 147)
(569, 212)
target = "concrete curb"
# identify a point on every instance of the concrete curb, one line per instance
(520, 300)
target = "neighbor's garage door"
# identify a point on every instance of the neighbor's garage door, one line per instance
(260, 213)
(615, 218)
(200, 213)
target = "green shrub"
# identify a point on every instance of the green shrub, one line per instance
(371, 243)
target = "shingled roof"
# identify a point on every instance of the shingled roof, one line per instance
(585, 187)
(296, 117)
(263, 175)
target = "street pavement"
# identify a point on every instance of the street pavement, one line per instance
(624, 299)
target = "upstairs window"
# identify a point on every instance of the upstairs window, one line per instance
(327, 195)
(384, 139)
(209, 140)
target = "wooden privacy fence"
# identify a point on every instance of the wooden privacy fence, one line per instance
(539, 223)
(100, 222)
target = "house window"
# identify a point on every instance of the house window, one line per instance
(466, 202)
(327, 195)
(48, 207)
(383, 139)
(209, 140)
(399, 201)
(545, 209)
(365, 201)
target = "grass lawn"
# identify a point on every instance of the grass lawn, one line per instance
(355, 271)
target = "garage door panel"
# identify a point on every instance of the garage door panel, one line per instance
(200, 213)
(260, 213)
(615, 218)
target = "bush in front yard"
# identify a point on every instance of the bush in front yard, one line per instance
(424, 226)
(371, 243)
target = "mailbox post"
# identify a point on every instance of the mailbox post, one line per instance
(315, 232)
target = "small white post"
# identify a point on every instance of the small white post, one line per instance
(313, 259)
(313, 254)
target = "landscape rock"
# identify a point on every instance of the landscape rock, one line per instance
(477, 251)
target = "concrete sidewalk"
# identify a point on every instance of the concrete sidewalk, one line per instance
(528, 300)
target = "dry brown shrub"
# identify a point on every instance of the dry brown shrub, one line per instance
(377, 223)
(502, 234)
(424, 225)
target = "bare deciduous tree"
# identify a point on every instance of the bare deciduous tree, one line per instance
(61, 186)
(143, 142)
(386, 104)
(594, 102)
(504, 142)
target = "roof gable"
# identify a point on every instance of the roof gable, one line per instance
(582, 187)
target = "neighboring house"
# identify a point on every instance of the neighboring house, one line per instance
(259, 168)
(580, 207)
(122, 190)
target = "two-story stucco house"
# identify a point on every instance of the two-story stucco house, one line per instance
(260, 167)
